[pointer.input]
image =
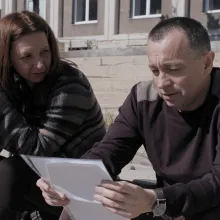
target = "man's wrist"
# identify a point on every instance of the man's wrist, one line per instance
(151, 198)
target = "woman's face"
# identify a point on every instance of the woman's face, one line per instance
(31, 57)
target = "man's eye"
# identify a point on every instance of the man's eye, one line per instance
(174, 70)
(155, 72)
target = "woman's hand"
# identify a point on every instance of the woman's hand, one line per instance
(51, 196)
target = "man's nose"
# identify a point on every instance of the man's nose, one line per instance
(163, 81)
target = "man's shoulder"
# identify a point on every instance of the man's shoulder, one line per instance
(215, 86)
(146, 91)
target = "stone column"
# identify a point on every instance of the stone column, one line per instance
(8, 6)
(56, 17)
(179, 8)
(110, 16)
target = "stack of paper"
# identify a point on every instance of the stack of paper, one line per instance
(76, 178)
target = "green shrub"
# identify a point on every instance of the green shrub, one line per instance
(109, 118)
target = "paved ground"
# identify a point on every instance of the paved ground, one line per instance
(139, 168)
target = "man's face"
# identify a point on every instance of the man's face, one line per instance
(179, 75)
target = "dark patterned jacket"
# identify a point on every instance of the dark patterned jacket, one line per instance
(58, 117)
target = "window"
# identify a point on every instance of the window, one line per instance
(85, 11)
(212, 5)
(146, 8)
(31, 5)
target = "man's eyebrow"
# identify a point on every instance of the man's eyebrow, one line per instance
(172, 62)
(168, 63)
(151, 66)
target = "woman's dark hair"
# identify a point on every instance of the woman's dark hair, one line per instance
(12, 27)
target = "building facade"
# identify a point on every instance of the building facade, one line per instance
(104, 23)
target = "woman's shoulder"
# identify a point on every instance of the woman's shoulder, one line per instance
(69, 68)
(70, 75)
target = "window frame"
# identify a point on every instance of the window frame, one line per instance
(207, 10)
(148, 15)
(27, 5)
(44, 16)
(87, 21)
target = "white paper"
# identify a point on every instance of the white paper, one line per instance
(66, 215)
(79, 180)
(76, 178)
(39, 164)
(81, 210)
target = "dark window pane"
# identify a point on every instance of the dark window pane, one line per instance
(155, 7)
(214, 5)
(93, 8)
(140, 7)
(80, 10)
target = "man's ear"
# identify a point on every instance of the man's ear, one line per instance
(209, 59)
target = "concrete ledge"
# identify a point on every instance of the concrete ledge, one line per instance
(127, 51)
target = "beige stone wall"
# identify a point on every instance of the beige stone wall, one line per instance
(113, 77)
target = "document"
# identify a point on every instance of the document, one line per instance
(77, 178)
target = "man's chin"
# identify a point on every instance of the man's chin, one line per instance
(172, 104)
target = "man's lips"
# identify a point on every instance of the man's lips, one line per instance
(169, 94)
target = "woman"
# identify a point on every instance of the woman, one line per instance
(47, 108)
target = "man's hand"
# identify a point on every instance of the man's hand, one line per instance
(125, 199)
(51, 196)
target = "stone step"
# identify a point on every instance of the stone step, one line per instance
(110, 100)
(112, 84)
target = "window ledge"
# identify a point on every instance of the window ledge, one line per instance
(147, 16)
(213, 11)
(86, 22)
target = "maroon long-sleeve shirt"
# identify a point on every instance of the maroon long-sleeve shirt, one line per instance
(183, 147)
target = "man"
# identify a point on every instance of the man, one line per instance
(176, 118)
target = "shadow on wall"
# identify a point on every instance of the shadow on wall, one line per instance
(164, 17)
(213, 26)
(212, 22)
